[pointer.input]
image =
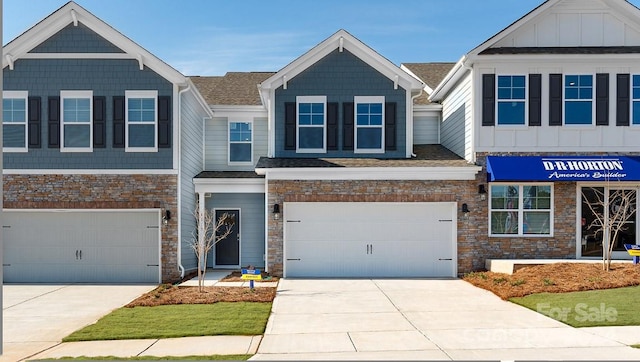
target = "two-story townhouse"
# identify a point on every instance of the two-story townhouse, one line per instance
(101, 141)
(550, 108)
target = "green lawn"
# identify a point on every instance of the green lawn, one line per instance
(184, 320)
(609, 307)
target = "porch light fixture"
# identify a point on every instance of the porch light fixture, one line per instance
(166, 217)
(483, 192)
(465, 211)
(276, 211)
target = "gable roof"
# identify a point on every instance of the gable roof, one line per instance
(501, 44)
(234, 88)
(72, 13)
(341, 40)
(431, 74)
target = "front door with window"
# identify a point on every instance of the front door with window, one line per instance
(600, 203)
(227, 251)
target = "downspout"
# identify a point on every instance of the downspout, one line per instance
(413, 120)
(180, 266)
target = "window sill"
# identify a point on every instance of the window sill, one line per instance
(141, 149)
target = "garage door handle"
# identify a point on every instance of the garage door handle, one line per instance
(293, 259)
(80, 254)
(77, 254)
(6, 264)
(445, 220)
(446, 259)
(294, 221)
(153, 265)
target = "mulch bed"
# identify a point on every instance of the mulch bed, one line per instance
(167, 294)
(556, 278)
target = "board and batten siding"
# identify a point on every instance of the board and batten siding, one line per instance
(426, 130)
(564, 138)
(217, 148)
(251, 224)
(192, 118)
(455, 130)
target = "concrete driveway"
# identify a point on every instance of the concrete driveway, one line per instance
(37, 317)
(417, 320)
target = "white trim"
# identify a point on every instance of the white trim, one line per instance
(147, 94)
(311, 99)
(18, 95)
(76, 94)
(592, 100)
(366, 99)
(239, 224)
(632, 100)
(525, 101)
(229, 142)
(77, 56)
(88, 172)
(520, 210)
(229, 185)
(372, 173)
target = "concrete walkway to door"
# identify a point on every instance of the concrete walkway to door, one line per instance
(417, 320)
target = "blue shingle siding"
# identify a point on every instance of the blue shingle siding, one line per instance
(76, 39)
(46, 78)
(341, 77)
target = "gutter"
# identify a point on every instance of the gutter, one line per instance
(179, 211)
(452, 77)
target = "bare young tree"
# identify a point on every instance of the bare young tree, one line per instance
(611, 215)
(208, 233)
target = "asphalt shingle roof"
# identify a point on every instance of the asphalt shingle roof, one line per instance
(431, 74)
(232, 89)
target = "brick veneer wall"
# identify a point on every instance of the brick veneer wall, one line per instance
(474, 245)
(102, 192)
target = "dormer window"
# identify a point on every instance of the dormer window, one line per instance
(312, 120)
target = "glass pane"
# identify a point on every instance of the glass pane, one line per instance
(536, 198)
(240, 152)
(504, 93)
(77, 136)
(363, 108)
(317, 108)
(518, 81)
(240, 132)
(376, 108)
(518, 93)
(505, 197)
(504, 222)
(571, 93)
(304, 119)
(369, 138)
(311, 137)
(636, 92)
(504, 81)
(571, 80)
(578, 113)
(592, 207)
(13, 135)
(304, 108)
(375, 120)
(586, 80)
(586, 93)
(363, 120)
(141, 135)
(636, 112)
(511, 113)
(636, 80)
(317, 119)
(76, 110)
(622, 214)
(536, 223)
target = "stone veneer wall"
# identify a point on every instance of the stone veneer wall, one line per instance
(102, 192)
(474, 245)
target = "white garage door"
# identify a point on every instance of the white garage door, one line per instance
(81, 246)
(370, 240)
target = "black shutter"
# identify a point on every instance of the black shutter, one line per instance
(332, 126)
(602, 99)
(164, 122)
(118, 122)
(35, 123)
(347, 126)
(290, 126)
(488, 99)
(535, 100)
(99, 122)
(54, 122)
(390, 126)
(555, 99)
(623, 104)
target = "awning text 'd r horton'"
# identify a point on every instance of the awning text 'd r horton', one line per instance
(563, 168)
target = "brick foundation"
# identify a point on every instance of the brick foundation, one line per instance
(102, 192)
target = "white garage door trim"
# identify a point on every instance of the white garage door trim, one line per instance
(158, 222)
(427, 224)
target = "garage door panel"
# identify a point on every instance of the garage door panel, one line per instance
(85, 246)
(370, 239)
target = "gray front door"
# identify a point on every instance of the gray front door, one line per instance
(228, 249)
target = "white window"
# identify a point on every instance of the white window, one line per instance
(521, 210)
(14, 121)
(141, 121)
(512, 101)
(579, 105)
(635, 100)
(241, 142)
(76, 131)
(369, 120)
(312, 121)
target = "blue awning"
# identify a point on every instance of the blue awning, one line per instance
(563, 168)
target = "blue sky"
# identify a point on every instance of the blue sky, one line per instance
(211, 37)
